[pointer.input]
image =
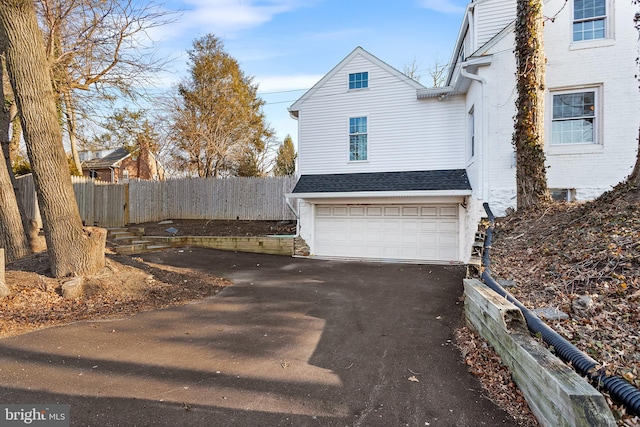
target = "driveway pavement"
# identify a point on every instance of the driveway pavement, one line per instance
(295, 342)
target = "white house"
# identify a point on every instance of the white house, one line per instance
(390, 169)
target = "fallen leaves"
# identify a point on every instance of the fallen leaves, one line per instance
(577, 253)
(125, 287)
(495, 378)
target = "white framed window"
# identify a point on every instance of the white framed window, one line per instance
(575, 117)
(471, 120)
(358, 147)
(125, 174)
(589, 20)
(359, 80)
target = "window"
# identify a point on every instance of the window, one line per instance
(93, 173)
(563, 195)
(574, 118)
(125, 174)
(357, 138)
(472, 133)
(589, 18)
(359, 80)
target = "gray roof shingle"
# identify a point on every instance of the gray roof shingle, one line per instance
(110, 160)
(452, 179)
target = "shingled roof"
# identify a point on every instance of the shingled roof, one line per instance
(452, 179)
(110, 160)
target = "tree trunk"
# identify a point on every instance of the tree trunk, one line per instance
(12, 234)
(71, 125)
(4, 289)
(634, 178)
(528, 136)
(72, 250)
(13, 237)
(30, 228)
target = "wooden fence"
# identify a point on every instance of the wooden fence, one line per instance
(112, 205)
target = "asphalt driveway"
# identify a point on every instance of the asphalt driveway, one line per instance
(295, 342)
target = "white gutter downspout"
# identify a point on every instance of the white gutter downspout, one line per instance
(296, 213)
(485, 136)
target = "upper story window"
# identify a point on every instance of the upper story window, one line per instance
(589, 19)
(359, 80)
(574, 118)
(357, 138)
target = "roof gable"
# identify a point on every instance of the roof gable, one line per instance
(110, 160)
(358, 51)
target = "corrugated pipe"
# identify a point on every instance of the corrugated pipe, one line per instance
(619, 388)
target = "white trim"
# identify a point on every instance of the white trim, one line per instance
(609, 32)
(381, 194)
(295, 107)
(596, 88)
(368, 133)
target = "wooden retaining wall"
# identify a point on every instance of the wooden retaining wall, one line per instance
(556, 394)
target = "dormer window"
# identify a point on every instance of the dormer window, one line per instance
(589, 18)
(358, 80)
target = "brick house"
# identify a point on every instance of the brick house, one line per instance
(120, 165)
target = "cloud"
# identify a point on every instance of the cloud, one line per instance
(442, 6)
(230, 16)
(286, 83)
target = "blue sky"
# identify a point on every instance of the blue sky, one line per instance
(288, 45)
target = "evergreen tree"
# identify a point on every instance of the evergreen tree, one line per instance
(217, 115)
(286, 159)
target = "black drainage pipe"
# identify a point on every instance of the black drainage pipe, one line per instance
(619, 388)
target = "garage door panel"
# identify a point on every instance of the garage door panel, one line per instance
(420, 232)
(448, 226)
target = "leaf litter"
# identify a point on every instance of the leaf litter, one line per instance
(582, 259)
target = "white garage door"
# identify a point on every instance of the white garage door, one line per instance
(411, 232)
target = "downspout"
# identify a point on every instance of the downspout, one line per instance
(295, 213)
(484, 121)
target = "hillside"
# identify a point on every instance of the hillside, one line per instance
(583, 259)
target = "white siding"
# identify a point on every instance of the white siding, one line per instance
(404, 133)
(491, 17)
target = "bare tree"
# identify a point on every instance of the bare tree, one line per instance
(411, 70)
(100, 45)
(72, 249)
(528, 136)
(438, 72)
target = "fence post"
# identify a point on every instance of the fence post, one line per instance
(126, 204)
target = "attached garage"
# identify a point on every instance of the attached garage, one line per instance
(409, 232)
(405, 216)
